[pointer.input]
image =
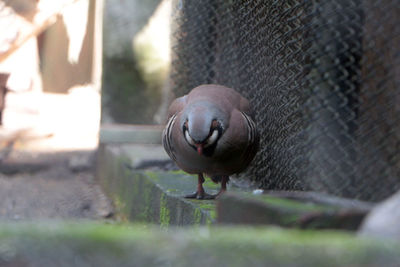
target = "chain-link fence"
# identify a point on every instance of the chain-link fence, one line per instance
(322, 76)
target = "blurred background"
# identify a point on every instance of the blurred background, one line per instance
(322, 77)
(66, 68)
(52, 56)
(84, 90)
(52, 98)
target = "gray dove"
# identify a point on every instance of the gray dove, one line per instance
(211, 131)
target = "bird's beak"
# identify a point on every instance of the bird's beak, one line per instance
(199, 149)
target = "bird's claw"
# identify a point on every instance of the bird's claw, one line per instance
(200, 195)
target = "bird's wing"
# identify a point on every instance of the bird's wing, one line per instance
(176, 106)
(253, 139)
(167, 137)
(245, 107)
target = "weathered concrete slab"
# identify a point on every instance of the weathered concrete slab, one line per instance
(136, 134)
(86, 244)
(245, 208)
(150, 196)
(155, 195)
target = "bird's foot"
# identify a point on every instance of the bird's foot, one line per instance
(200, 195)
(221, 192)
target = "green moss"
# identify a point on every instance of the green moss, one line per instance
(292, 205)
(289, 220)
(180, 172)
(211, 185)
(208, 207)
(146, 205)
(197, 216)
(172, 190)
(164, 212)
(94, 244)
(151, 174)
(213, 214)
(155, 176)
(163, 182)
(205, 218)
(119, 206)
(208, 183)
(128, 191)
(217, 235)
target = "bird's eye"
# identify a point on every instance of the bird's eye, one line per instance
(215, 124)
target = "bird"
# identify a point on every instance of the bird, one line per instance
(211, 132)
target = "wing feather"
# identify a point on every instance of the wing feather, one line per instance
(252, 139)
(167, 137)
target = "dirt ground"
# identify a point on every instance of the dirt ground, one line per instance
(46, 186)
(47, 154)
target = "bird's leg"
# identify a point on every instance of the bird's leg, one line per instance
(224, 181)
(200, 193)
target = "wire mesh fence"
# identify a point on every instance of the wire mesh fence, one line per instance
(323, 78)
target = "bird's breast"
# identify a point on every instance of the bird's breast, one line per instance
(222, 160)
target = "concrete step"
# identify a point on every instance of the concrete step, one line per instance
(149, 195)
(239, 229)
(123, 134)
(98, 244)
(142, 189)
(282, 210)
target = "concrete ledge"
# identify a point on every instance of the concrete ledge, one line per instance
(125, 133)
(95, 244)
(155, 196)
(245, 208)
(149, 196)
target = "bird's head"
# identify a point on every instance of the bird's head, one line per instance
(202, 128)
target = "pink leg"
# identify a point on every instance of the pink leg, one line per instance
(224, 181)
(200, 193)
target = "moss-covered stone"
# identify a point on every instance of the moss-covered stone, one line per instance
(246, 208)
(96, 244)
(165, 216)
(197, 216)
(157, 197)
(150, 196)
(292, 205)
